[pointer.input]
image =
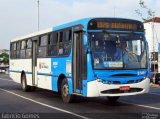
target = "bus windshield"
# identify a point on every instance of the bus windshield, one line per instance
(118, 51)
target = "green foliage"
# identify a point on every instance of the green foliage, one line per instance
(150, 13)
(5, 58)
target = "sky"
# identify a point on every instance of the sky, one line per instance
(19, 17)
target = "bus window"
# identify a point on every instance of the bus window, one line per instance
(42, 48)
(49, 38)
(29, 43)
(67, 42)
(28, 50)
(14, 46)
(61, 45)
(23, 47)
(60, 37)
(53, 46)
(18, 50)
(13, 50)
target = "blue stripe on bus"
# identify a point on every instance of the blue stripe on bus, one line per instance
(45, 74)
(39, 73)
(17, 71)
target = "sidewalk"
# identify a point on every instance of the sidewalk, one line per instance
(154, 85)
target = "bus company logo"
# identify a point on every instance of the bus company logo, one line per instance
(141, 72)
(43, 65)
(55, 64)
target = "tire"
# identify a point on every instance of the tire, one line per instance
(32, 88)
(66, 97)
(24, 85)
(113, 99)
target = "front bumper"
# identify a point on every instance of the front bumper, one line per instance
(96, 89)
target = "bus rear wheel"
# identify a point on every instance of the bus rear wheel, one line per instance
(24, 85)
(113, 99)
(66, 97)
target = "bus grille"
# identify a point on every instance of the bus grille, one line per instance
(131, 81)
(128, 82)
(117, 91)
(116, 82)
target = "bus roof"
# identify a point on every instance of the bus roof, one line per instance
(32, 34)
(84, 22)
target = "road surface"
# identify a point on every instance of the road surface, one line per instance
(47, 104)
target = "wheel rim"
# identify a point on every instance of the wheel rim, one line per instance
(65, 90)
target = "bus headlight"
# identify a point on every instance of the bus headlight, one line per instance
(102, 81)
(109, 82)
(98, 80)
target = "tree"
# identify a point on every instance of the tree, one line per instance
(148, 11)
(5, 58)
(149, 15)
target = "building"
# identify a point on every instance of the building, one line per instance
(152, 28)
(4, 51)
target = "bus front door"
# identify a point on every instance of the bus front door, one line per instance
(79, 62)
(34, 62)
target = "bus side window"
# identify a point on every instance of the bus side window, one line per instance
(18, 50)
(52, 44)
(13, 50)
(49, 44)
(65, 38)
(61, 45)
(23, 49)
(42, 47)
(15, 46)
(67, 42)
(29, 48)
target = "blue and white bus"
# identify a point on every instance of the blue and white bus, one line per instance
(91, 57)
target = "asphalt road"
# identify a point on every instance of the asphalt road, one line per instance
(14, 103)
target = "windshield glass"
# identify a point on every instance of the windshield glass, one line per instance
(118, 51)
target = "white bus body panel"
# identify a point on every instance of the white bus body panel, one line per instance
(19, 65)
(43, 78)
(44, 72)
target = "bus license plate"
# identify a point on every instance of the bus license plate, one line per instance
(125, 88)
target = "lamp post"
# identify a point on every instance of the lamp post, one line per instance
(153, 44)
(114, 11)
(154, 54)
(38, 15)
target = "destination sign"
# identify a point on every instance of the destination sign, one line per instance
(116, 25)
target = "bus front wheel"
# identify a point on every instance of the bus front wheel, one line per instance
(113, 99)
(66, 97)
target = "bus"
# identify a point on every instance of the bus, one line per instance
(84, 58)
